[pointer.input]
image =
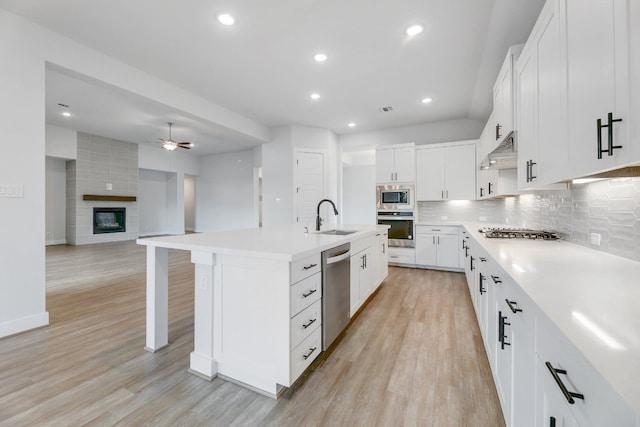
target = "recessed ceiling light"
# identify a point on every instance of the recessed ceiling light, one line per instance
(414, 30)
(426, 100)
(315, 96)
(320, 57)
(351, 125)
(66, 114)
(226, 19)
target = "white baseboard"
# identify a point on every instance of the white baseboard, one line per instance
(24, 324)
(152, 233)
(56, 242)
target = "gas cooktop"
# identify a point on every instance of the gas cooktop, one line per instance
(518, 233)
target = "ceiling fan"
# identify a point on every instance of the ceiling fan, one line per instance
(170, 144)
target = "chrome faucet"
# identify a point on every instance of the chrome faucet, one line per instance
(318, 219)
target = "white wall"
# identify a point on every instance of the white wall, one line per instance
(154, 158)
(61, 142)
(224, 192)
(428, 133)
(22, 229)
(359, 189)
(55, 202)
(277, 178)
(152, 202)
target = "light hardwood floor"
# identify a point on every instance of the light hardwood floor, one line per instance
(413, 357)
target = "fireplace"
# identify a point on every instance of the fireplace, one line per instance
(109, 220)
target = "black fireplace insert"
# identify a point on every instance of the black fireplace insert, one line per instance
(109, 220)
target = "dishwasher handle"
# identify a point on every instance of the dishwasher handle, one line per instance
(339, 257)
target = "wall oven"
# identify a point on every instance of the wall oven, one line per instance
(401, 231)
(393, 197)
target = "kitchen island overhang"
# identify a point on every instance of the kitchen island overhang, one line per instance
(243, 291)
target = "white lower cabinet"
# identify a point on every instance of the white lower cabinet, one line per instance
(382, 253)
(541, 378)
(438, 246)
(364, 271)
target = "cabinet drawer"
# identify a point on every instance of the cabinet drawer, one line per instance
(305, 293)
(402, 256)
(436, 229)
(601, 404)
(305, 353)
(305, 267)
(305, 322)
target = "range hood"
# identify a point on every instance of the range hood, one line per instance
(504, 156)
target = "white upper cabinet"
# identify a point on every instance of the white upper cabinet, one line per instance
(541, 102)
(446, 171)
(575, 116)
(396, 164)
(598, 79)
(503, 91)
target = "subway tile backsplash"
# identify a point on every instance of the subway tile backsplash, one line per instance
(610, 208)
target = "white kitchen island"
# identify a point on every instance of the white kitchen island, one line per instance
(257, 298)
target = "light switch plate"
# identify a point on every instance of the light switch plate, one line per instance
(595, 239)
(109, 186)
(11, 190)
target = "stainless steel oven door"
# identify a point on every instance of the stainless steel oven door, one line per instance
(401, 231)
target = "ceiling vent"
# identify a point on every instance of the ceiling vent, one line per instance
(385, 109)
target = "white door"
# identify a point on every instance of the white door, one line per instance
(309, 187)
(448, 250)
(385, 165)
(404, 164)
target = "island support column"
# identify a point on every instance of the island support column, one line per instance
(157, 298)
(202, 359)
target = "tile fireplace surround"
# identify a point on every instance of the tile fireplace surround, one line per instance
(101, 161)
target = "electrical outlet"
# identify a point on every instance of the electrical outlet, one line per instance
(109, 186)
(595, 239)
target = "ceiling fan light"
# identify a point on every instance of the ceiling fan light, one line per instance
(169, 145)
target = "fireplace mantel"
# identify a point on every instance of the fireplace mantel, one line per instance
(109, 198)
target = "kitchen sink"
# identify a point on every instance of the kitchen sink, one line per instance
(338, 232)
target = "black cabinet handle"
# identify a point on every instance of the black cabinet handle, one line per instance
(466, 251)
(609, 126)
(552, 421)
(482, 259)
(305, 326)
(311, 350)
(471, 265)
(498, 131)
(569, 395)
(481, 190)
(528, 170)
(531, 175)
(501, 324)
(511, 306)
(496, 279)
(482, 289)
(311, 292)
(306, 267)
(490, 192)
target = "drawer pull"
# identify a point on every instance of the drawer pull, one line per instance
(309, 324)
(306, 267)
(482, 259)
(482, 289)
(513, 309)
(496, 279)
(569, 395)
(312, 291)
(311, 350)
(552, 421)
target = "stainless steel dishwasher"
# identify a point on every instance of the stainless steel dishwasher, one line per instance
(336, 292)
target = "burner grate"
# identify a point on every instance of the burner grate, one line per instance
(519, 233)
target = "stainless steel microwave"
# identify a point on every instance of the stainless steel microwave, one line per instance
(393, 197)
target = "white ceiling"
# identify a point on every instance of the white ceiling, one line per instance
(262, 67)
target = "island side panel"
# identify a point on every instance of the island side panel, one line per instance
(251, 332)
(202, 361)
(157, 298)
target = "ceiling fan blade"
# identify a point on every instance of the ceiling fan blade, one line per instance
(186, 147)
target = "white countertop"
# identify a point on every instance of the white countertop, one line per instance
(571, 283)
(285, 243)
